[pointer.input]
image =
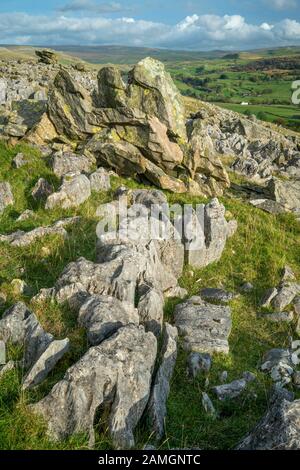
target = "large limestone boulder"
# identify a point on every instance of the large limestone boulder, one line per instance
(68, 106)
(152, 90)
(286, 193)
(111, 88)
(116, 374)
(279, 429)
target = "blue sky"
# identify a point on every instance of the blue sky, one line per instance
(184, 24)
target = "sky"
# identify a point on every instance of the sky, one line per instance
(176, 24)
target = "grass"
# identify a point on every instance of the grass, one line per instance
(257, 252)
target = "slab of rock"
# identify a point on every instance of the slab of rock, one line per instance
(205, 327)
(278, 363)
(153, 91)
(100, 180)
(68, 162)
(74, 191)
(285, 295)
(6, 196)
(268, 296)
(278, 317)
(279, 429)
(10, 365)
(151, 309)
(286, 193)
(42, 189)
(157, 406)
(296, 304)
(103, 315)
(3, 88)
(68, 107)
(2, 353)
(231, 390)
(20, 326)
(117, 374)
(216, 295)
(267, 205)
(214, 231)
(21, 238)
(46, 57)
(45, 363)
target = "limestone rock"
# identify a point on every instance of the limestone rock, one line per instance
(68, 106)
(69, 162)
(279, 429)
(19, 161)
(46, 57)
(100, 180)
(199, 362)
(231, 390)
(216, 295)
(45, 363)
(286, 193)
(111, 88)
(21, 238)
(157, 409)
(42, 189)
(205, 327)
(6, 196)
(103, 315)
(117, 374)
(74, 191)
(152, 90)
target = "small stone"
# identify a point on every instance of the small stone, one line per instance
(27, 214)
(6, 196)
(216, 295)
(6, 368)
(287, 274)
(3, 298)
(278, 316)
(249, 376)
(231, 390)
(296, 304)
(19, 287)
(247, 287)
(199, 362)
(41, 190)
(18, 161)
(100, 180)
(296, 379)
(223, 376)
(295, 344)
(208, 405)
(268, 297)
(2, 353)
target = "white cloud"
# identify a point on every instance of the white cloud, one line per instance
(196, 32)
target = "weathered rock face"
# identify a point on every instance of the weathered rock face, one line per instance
(152, 90)
(68, 106)
(73, 192)
(19, 325)
(286, 193)
(68, 162)
(111, 88)
(46, 57)
(116, 374)
(6, 196)
(21, 238)
(279, 429)
(215, 230)
(205, 327)
(158, 400)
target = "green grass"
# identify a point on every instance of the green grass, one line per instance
(258, 251)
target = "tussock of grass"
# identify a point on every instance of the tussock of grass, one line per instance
(256, 253)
